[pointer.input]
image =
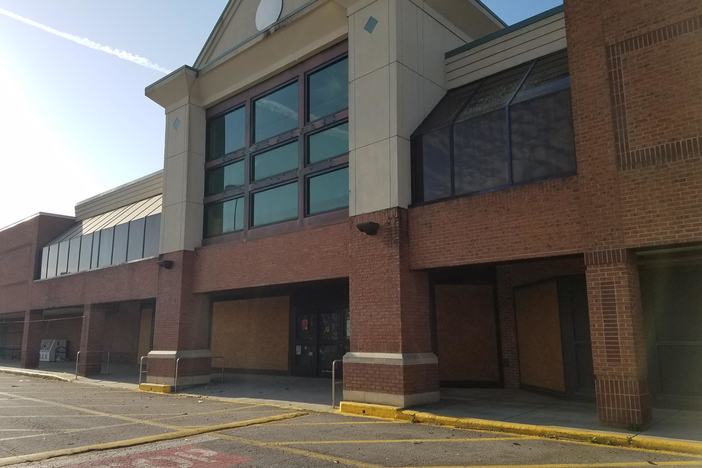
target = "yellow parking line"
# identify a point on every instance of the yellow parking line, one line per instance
(631, 449)
(576, 465)
(304, 453)
(179, 434)
(400, 441)
(181, 415)
(340, 423)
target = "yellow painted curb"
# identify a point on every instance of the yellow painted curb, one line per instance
(636, 441)
(38, 374)
(155, 388)
(37, 457)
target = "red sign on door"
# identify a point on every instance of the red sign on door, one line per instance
(187, 456)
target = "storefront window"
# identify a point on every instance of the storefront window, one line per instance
(289, 167)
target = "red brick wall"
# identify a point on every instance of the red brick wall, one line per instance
(182, 317)
(121, 335)
(389, 379)
(535, 220)
(314, 254)
(389, 303)
(63, 328)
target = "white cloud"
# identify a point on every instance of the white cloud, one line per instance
(123, 54)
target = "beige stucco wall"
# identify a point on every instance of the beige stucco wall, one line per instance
(396, 77)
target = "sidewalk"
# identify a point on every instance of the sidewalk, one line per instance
(501, 410)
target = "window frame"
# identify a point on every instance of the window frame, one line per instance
(297, 74)
(417, 173)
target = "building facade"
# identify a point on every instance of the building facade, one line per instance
(411, 186)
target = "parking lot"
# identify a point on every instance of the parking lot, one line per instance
(38, 416)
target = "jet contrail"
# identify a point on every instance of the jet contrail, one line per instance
(124, 55)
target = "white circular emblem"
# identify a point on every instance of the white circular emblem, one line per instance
(268, 13)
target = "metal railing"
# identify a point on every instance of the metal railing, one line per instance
(223, 362)
(333, 371)
(86, 363)
(141, 367)
(177, 365)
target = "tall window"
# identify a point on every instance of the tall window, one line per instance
(278, 153)
(511, 128)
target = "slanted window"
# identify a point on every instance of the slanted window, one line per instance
(136, 239)
(86, 246)
(152, 235)
(119, 249)
(106, 238)
(63, 258)
(511, 128)
(293, 162)
(73, 254)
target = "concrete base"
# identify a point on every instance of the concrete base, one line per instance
(400, 401)
(184, 381)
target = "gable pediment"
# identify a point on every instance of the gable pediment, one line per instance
(236, 25)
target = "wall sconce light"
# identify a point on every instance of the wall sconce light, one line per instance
(369, 228)
(167, 264)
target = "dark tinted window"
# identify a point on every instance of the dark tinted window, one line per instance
(328, 192)
(152, 235)
(329, 143)
(276, 112)
(276, 161)
(329, 90)
(53, 261)
(63, 258)
(86, 248)
(224, 217)
(436, 164)
(542, 137)
(227, 134)
(481, 154)
(136, 239)
(222, 178)
(119, 249)
(274, 205)
(96, 250)
(494, 92)
(73, 254)
(44, 262)
(106, 236)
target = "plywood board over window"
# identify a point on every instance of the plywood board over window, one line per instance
(252, 334)
(539, 336)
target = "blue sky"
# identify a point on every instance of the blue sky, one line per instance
(75, 121)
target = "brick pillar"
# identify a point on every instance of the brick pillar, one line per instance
(391, 360)
(181, 328)
(91, 337)
(618, 343)
(508, 327)
(31, 338)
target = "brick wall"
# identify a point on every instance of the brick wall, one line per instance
(389, 379)
(63, 328)
(535, 220)
(314, 254)
(121, 337)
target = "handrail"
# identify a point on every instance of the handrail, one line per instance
(223, 361)
(141, 367)
(108, 361)
(175, 380)
(333, 371)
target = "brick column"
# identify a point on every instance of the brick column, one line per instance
(181, 328)
(31, 338)
(91, 337)
(391, 360)
(618, 344)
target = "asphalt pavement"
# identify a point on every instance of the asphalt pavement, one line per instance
(59, 421)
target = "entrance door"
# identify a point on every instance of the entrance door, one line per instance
(319, 340)
(305, 343)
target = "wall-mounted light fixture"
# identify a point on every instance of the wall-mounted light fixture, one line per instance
(369, 227)
(167, 264)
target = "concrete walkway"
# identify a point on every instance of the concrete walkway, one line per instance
(492, 404)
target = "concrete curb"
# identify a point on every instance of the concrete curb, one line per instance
(635, 441)
(37, 457)
(39, 374)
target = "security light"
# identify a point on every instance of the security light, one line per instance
(167, 264)
(369, 228)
